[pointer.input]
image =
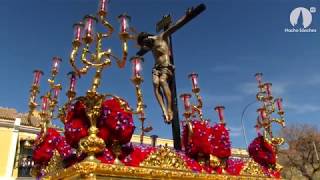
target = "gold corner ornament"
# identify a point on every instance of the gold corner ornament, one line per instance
(252, 168)
(165, 158)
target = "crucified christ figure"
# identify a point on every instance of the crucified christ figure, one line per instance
(163, 69)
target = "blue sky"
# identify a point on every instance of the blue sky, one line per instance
(226, 45)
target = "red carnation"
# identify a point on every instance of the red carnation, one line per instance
(199, 140)
(118, 122)
(220, 141)
(44, 151)
(77, 124)
(262, 152)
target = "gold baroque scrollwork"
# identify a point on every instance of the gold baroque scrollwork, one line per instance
(55, 164)
(166, 158)
(252, 168)
(91, 170)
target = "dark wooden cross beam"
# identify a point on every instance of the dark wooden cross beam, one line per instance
(166, 24)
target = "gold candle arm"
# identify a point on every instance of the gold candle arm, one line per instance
(107, 25)
(198, 107)
(188, 124)
(34, 91)
(73, 56)
(140, 104)
(279, 121)
(187, 114)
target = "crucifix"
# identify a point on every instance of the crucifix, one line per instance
(163, 72)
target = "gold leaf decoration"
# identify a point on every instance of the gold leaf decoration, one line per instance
(165, 158)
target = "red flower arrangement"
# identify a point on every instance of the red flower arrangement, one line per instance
(262, 152)
(199, 142)
(130, 155)
(44, 151)
(76, 124)
(234, 166)
(115, 124)
(220, 141)
(191, 163)
(139, 153)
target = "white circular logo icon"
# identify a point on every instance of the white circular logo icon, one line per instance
(302, 16)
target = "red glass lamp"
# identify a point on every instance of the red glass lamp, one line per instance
(186, 101)
(194, 80)
(89, 28)
(124, 20)
(55, 64)
(77, 32)
(220, 111)
(136, 62)
(36, 77)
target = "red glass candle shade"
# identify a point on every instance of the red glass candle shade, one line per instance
(45, 103)
(73, 80)
(56, 91)
(262, 113)
(194, 80)
(220, 111)
(268, 89)
(186, 101)
(103, 5)
(124, 20)
(136, 66)
(279, 104)
(36, 77)
(90, 22)
(259, 78)
(77, 31)
(56, 63)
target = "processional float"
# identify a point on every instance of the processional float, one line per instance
(98, 127)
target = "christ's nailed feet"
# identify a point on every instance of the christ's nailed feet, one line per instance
(166, 120)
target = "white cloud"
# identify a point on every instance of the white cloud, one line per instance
(278, 88)
(220, 99)
(235, 131)
(302, 108)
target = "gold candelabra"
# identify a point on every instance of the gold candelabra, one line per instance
(137, 79)
(269, 104)
(87, 46)
(193, 109)
(49, 100)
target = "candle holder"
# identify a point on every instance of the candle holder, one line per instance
(196, 91)
(103, 7)
(144, 129)
(49, 100)
(220, 110)
(269, 104)
(77, 28)
(137, 80)
(71, 93)
(185, 97)
(93, 56)
(34, 91)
